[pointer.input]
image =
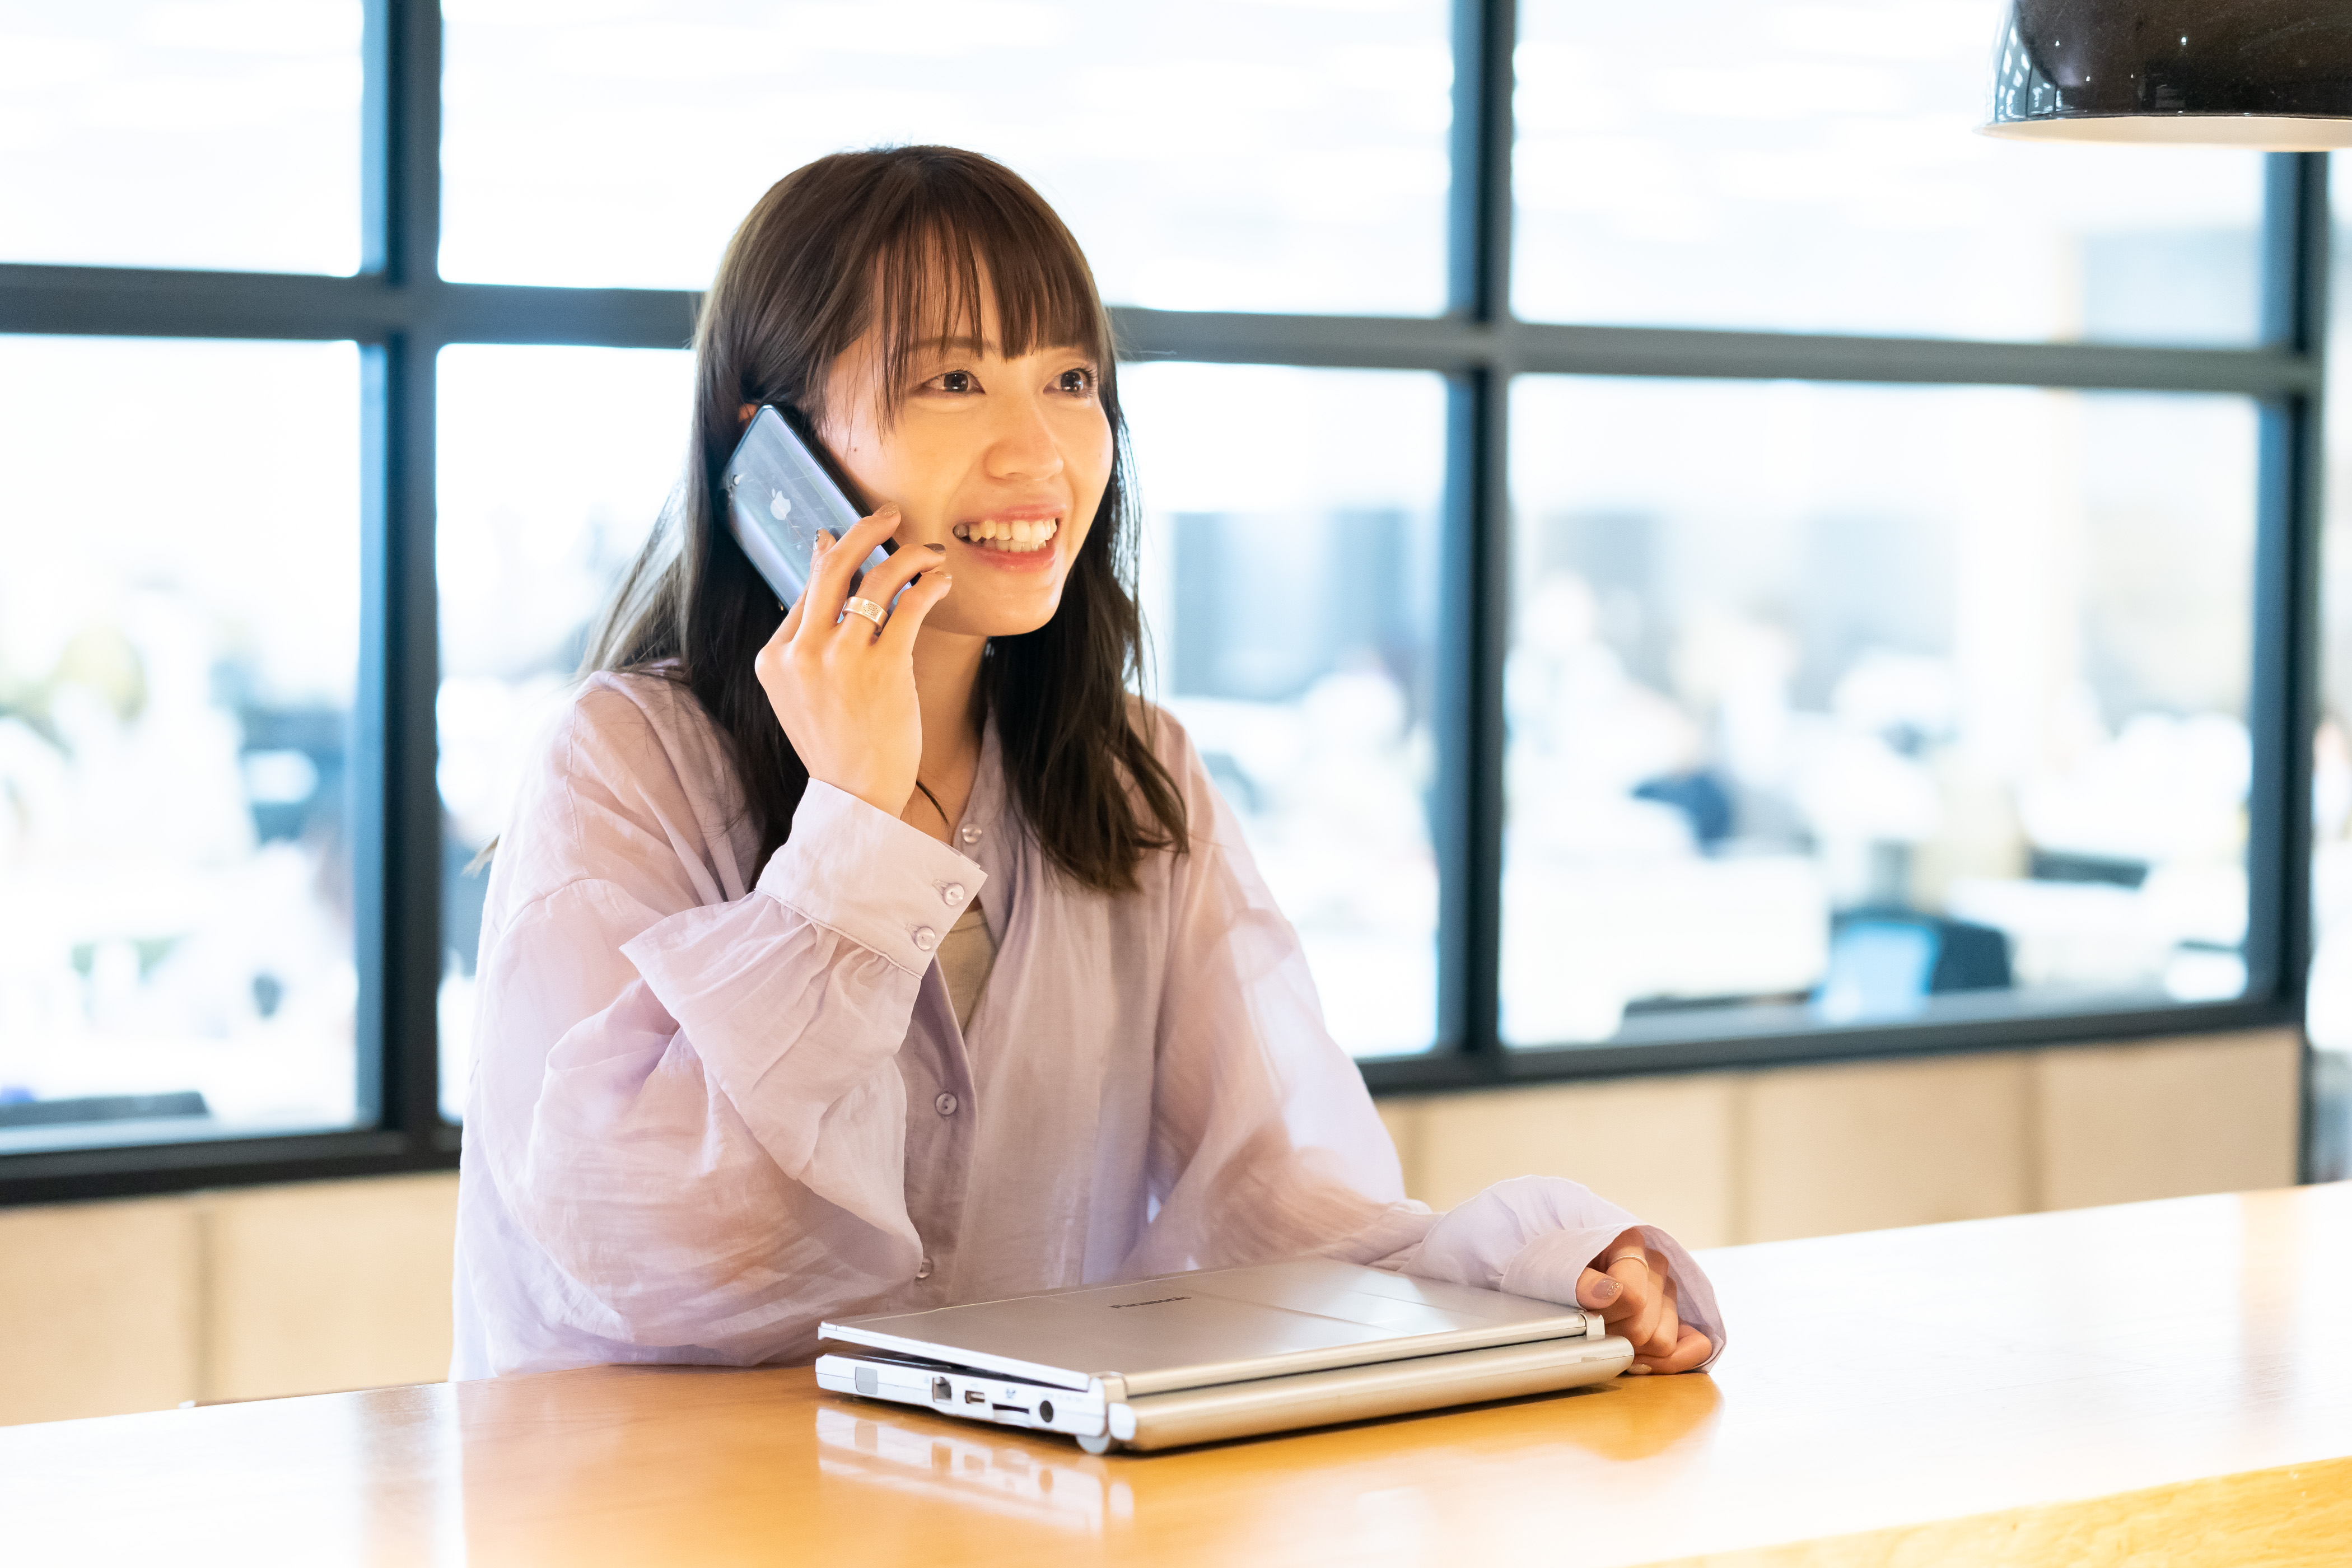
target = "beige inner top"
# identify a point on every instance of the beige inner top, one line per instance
(966, 955)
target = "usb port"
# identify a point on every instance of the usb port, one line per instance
(975, 1396)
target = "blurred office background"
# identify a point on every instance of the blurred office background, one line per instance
(1827, 704)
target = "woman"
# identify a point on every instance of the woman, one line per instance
(844, 960)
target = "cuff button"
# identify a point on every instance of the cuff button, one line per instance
(926, 938)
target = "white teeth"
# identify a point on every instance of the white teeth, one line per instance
(1018, 537)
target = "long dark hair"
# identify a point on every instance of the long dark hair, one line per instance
(900, 239)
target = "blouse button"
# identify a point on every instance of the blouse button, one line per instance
(923, 1269)
(945, 1104)
(952, 892)
(969, 835)
(926, 938)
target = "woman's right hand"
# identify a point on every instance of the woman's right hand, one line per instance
(844, 693)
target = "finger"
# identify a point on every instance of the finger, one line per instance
(882, 584)
(787, 628)
(1641, 1301)
(1665, 1334)
(851, 630)
(836, 561)
(1633, 1287)
(1665, 1337)
(797, 615)
(1596, 1291)
(1690, 1349)
(769, 662)
(921, 596)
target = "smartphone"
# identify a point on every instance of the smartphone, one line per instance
(778, 496)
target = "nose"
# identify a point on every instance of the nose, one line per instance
(1023, 444)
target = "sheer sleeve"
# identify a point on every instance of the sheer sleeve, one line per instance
(687, 1101)
(1535, 1236)
(1266, 1143)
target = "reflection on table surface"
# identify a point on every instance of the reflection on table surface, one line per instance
(2152, 1373)
(903, 1450)
(970, 1467)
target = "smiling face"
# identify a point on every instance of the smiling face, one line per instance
(1002, 458)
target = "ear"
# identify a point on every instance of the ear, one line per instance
(743, 415)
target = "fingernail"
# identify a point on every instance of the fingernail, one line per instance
(1639, 1369)
(1608, 1289)
(937, 549)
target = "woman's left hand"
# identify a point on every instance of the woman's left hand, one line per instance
(1633, 1295)
(1554, 1240)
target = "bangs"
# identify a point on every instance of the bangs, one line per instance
(956, 233)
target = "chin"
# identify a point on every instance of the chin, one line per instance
(1018, 626)
(1016, 620)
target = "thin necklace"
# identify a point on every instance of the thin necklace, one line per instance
(945, 821)
(935, 803)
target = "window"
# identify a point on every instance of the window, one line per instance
(1834, 704)
(1671, 559)
(220, 133)
(1811, 167)
(1218, 156)
(1290, 589)
(179, 649)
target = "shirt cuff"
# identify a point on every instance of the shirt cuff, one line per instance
(862, 872)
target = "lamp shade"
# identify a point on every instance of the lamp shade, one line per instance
(2235, 73)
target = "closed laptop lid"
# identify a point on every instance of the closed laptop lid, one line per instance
(1193, 1330)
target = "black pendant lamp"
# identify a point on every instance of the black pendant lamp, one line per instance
(2235, 73)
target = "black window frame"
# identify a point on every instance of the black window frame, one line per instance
(402, 313)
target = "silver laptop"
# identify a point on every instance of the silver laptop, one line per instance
(1227, 1352)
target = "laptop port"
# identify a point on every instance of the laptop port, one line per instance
(975, 1396)
(942, 1389)
(1045, 1410)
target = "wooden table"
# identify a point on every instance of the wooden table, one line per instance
(2161, 1383)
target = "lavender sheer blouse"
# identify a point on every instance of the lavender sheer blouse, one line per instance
(715, 1102)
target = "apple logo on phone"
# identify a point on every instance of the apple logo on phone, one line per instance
(779, 507)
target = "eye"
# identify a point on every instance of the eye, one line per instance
(959, 380)
(1077, 383)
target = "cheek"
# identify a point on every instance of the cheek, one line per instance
(868, 457)
(1096, 454)
(1093, 459)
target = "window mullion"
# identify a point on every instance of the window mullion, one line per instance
(1469, 720)
(2283, 703)
(1474, 602)
(1478, 242)
(400, 836)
